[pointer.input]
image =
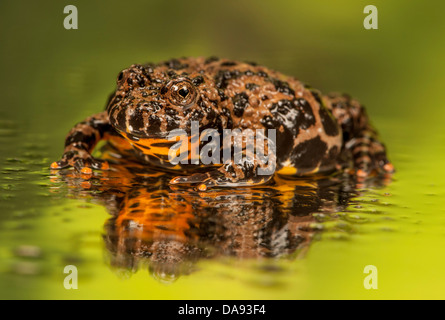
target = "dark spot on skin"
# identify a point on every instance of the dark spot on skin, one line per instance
(130, 81)
(317, 97)
(171, 112)
(154, 124)
(198, 80)
(228, 64)
(148, 68)
(171, 74)
(162, 156)
(228, 116)
(339, 105)
(141, 146)
(175, 64)
(120, 76)
(79, 137)
(251, 86)
(307, 117)
(186, 112)
(224, 76)
(135, 205)
(196, 115)
(155, 106)
(308, 154)
(121, 120)
(286, 114)
(218, 123)
(282, 86)
(330, 159)
(160, 227)
(137, 120)
(222, 95)
(240, 102)
(172, 123)
(291, 117)
(211, 115)
(329, 123)
(164, 90)
(163, 144)
(248, 169)
(140, 80)
(262, 74)
(211, 59)
(172, 118)
(99, 126)
(253, 64)
(284, 140)
(205, 106)
(134, 193)
(132, 137)
(282, 107)
(70, 154)
(269, 123)
(360, 153)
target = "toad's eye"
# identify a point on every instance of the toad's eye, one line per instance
(181, 92)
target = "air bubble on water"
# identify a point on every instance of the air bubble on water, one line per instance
(387, 229)
(72, 258)
(28, 251)
(7, 196)
(9, 170)
(356, 219)
(339, 236)
(26, 268)
(14, 160)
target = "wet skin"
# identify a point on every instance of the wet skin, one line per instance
(315, 133)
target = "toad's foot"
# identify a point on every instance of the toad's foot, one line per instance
(81, 160)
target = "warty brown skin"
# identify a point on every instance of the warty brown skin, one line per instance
(315, 133)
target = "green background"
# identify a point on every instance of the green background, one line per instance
(52, 78)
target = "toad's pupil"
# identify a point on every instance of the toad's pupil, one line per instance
(183, 92)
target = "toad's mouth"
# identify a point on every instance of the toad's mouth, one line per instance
(138, 135)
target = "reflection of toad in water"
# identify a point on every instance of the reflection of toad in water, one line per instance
(169, 229)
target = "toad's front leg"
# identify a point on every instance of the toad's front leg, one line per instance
(81, 141)
(247, 163)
